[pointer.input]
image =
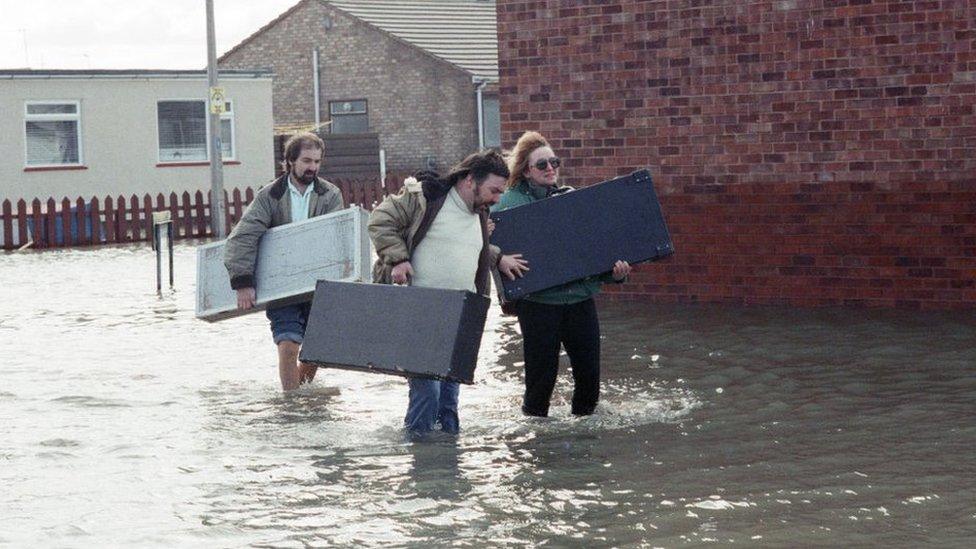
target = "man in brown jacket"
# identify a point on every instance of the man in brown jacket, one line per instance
(434, 234)
(297, 195)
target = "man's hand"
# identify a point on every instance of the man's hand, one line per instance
(245, 298)
(490, 226)
(402, 273)
(512, 266)
(620, 270)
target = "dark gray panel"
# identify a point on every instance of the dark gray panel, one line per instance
(400, 330)
(581, 233)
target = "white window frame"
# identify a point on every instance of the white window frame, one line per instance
(54, 117)
(228, 114)
(223, 116)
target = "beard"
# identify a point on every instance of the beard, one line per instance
(480, 205)
(305, 178)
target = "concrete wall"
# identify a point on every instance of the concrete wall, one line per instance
(420, 106)
(806, 152)
(120, 141)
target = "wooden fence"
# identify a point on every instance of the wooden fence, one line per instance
(80, 222)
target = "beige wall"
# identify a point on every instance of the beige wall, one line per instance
(119, 140)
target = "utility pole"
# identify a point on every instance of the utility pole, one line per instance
(218, 206)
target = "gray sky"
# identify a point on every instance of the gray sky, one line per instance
(124, 34)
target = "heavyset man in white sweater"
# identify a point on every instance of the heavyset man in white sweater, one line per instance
(434, 234)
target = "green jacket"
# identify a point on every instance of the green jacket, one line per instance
(399, 223)
(571, 292)
(270, 208)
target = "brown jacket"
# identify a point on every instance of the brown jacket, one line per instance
(400, 223)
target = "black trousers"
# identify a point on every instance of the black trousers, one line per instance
(544, 328)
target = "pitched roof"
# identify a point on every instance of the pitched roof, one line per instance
(463, 32)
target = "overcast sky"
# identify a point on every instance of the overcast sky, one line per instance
(124, 34)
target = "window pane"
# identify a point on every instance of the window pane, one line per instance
(347, 107)
(492, 122)
(350, 123)
(54, 142)
(226, 139)
(182, 131)
(63, 108)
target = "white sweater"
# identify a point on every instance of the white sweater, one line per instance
(447, 257)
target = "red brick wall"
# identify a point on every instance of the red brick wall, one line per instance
(816, 152)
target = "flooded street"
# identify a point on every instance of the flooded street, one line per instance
(124, 421)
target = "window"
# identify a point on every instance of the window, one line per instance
(349, 116)
(182, 131)
(183, 127)
(227, 132)
(52, 132)
(491, 118)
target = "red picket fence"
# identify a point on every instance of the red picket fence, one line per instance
(52, 224)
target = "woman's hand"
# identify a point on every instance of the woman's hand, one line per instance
(620, 270)
(512, 266)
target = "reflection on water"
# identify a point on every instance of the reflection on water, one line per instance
(125, 421)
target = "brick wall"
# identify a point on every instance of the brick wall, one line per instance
(815, 152)
(420, 106)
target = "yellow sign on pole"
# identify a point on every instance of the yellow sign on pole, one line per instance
(217, 100)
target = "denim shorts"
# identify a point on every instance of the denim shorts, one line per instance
(288, 322)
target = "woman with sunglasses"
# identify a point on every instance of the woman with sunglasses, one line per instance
(564, 315)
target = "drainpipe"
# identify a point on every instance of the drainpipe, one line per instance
(315, 86)
(480, 83)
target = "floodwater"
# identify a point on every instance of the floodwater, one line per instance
(124, 421)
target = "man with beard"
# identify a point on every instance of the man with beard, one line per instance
(295, 196)
(434, 234)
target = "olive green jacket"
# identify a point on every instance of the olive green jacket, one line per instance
(400, 222)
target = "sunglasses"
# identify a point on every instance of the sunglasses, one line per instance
(541, 164)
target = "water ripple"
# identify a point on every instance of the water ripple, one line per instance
(760, 426)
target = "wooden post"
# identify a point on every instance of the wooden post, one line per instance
(110, 222)
(134, 224)
(8, 226)
(52, 207)
(40, 223)
(122, 231)
(237, 208)
(80, 217)
(347, 197)
(96, 222)
(147, 213)
(227, 220)
(174, 212)
(201, 220)
(66, 239)
(22, 237)
(187, 216)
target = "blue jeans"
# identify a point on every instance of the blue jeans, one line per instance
(288, 322)
(432, 402)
